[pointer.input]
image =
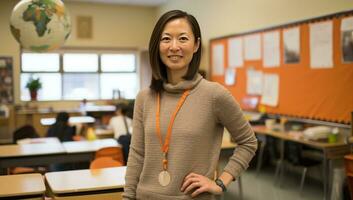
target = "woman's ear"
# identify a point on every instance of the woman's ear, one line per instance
(197, 45)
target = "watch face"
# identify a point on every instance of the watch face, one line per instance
(220, 184)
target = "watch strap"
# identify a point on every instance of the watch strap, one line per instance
(220, 183)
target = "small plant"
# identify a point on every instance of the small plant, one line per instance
(34, 84)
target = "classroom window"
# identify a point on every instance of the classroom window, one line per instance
(76, 86)
(77, 75)
(44, 62)
(118, 63)
(51, 86)
(127, 83)
(77, 62)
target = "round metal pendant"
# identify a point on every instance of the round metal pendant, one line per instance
(164, 178)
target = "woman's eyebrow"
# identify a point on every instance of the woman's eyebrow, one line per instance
(183, 33)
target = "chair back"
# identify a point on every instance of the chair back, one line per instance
(104, 162)
(293, 152)
(26, 131)
(116, 153)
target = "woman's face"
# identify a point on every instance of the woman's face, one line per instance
(177, 44)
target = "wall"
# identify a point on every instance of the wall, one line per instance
(130, 26)
(226, 17)
(114, 26)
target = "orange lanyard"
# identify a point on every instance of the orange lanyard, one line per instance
(165, 146)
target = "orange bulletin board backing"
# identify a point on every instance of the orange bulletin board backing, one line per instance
(320, 94)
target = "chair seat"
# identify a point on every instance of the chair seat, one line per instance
(115, 153)
(104, 162)
(27, 170)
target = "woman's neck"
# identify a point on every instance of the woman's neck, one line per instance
(175, 76)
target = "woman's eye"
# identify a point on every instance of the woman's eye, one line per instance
(184, 39)
(165, 39)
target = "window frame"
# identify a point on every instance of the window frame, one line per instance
(99, 52)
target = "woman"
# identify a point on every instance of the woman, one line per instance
(178, 123)
(61, 128)
(120, 123)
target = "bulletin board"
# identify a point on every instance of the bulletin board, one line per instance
(6, 80)
(317, 83)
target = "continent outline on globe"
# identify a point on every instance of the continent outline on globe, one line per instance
(51, 24)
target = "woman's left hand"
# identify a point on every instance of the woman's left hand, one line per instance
(199, 184)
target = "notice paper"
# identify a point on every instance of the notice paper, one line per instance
(271, 49)
(252, 47)
(230, 76)
(270, 90)
(218, 60)
(235, 52)
(291, 40)
(347, 39)
(321, 36)
(254, 82)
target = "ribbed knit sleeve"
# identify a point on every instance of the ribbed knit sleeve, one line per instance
(229, 114)
(137, 149)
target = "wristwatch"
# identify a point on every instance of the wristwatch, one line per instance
(220, 183)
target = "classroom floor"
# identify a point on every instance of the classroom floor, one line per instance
(262, 187)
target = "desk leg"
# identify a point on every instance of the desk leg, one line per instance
(261, 155)
(282, 163)
(326, 175)
(240, 188)
(279, 168)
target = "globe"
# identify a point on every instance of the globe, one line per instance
(40, 25)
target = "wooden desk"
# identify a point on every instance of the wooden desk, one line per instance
(87, 184)
(226, 143)
(46, 154)
(34, 116)
(330, 150)
(72, 120)
(101, 108)
(43, 140)
(286, 136)
(22, 186)
(30, 154)
(88, 146)
(104, 133)
(35, 149)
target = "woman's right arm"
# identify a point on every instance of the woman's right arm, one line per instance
(137, 151)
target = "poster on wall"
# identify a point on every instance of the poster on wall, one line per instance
(252, 47)
(218, 60)
(254, 81)
(347, 39)
(6, 80)
(321, 45)
(230, 76)
(270, 90)
(271, 49)
(291, 40)
(235, 52)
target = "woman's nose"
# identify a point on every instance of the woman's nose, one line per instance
(174, 46)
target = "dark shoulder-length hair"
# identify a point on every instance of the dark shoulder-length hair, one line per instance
(159, 70)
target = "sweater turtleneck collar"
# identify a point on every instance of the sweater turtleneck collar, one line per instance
(182, 85)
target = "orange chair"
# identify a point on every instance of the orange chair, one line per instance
(116, 153)
(104, 162)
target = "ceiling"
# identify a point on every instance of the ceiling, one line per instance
(126, 2)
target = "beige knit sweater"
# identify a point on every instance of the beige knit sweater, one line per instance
(195, 142)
